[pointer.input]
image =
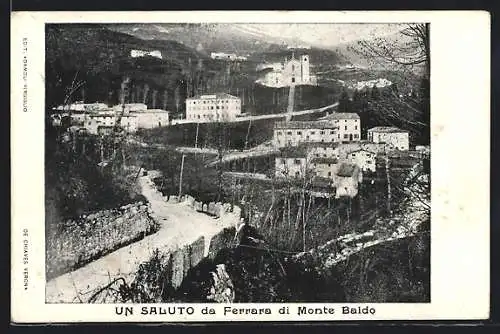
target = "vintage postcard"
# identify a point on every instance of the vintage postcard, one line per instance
(250, 166)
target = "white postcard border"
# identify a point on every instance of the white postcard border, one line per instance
(460, 121)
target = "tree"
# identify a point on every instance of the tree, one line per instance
(409, 54)
(375, 94)
(410, 50)
(344, 103)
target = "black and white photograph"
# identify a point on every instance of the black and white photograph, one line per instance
(249, 166)
(237, 163)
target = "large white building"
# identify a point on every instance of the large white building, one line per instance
(349, 126)
(294, 133)
(219, 107)
(396, 138)
(291, 72)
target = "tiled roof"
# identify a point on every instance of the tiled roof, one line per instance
(293, 152)
(213, 96)
(313, 145)
(346, 170)
(305, 125)
(386, 129)
(341, 115)
(362, 149)
(324, 160)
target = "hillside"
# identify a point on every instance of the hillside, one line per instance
(101, 58)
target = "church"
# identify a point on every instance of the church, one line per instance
(290, 72)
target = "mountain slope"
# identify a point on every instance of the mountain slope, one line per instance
(101, 58)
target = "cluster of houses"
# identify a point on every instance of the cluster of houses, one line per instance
(332, 150)
(227, 56)
(99, 118)
(144, 53)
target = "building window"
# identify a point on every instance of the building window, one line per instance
(368, 161)
(356, 136)
(312, 132)
(317, 154)
(293, 80)
(279, 133)
(355, 127)
(329, 165)
(324, 155)
(299, 133)
(346, 136)
(329, 173)
(332, 132)
(217, 107)
(289, 133)
(297, 161)
(322, 132)
(297, 173)
(346, 127)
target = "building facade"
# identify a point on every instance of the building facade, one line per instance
(95, 121)
(290, 72)
(347, 180)
(364, 159)
(152, 118)
(324, 167)
(292, 163)
(294, 133)
(143, 53)
(349, 126)
(220, 107)
(397, 138)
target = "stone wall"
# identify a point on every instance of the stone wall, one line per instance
(82, 240)
(216, 209)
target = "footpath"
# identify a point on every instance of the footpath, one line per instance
(180, 225)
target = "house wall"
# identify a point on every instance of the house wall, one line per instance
(91, 123)
(290, 167)
(293, 137)
(212, 110)
(149, 120)
(325, 170)
(363, 159)
(399, 140)
(348, 127)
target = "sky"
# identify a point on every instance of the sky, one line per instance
(322, 35)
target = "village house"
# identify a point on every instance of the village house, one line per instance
(349, 126)
(290, 72)
(363, 158)
(227, 56)
(324, 167)
(292, 162)
(294, 133)
(322, 150)
(219, 107)
(397, 138)
(143, 53)
(85, 107)
(94, 121)
(130, 107)
(347, 180)
(152, 118)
